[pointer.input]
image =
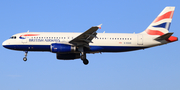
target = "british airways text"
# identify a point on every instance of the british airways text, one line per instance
(44, 40)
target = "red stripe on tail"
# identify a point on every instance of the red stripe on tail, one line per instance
(154, 32)
(167, 15)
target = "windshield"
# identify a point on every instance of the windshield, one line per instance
(13, 37)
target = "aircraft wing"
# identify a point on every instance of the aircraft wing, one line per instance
(85, 38)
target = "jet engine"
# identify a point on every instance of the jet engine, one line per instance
(62, 48)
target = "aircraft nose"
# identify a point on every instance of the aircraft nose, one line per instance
(4, 43)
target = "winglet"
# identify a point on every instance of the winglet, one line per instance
(99, 26)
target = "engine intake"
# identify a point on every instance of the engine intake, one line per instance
(58, 48)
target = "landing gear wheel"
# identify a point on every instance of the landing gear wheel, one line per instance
(85, 62)
(25, 59)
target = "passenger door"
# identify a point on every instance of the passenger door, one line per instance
(140, 39)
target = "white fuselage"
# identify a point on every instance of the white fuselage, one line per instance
(110, 42)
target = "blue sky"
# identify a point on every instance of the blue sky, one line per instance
(156, 68)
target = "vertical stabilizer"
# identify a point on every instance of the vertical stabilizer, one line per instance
(161, 24)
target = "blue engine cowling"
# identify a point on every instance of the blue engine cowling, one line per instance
(61, 48)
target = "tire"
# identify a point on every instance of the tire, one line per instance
(85, 62)
(24, 59)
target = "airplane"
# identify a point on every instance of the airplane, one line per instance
(70, 46)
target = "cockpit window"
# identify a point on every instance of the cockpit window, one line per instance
(13, 37)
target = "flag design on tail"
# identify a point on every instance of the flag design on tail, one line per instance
(161, 24)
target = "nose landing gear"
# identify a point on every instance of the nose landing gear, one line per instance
(25, 58)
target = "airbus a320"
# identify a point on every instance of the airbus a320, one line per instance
(69, 46)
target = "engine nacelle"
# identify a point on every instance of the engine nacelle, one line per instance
(61, 48)
(68, 56)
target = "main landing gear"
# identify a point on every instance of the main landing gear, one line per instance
(83, 56)
(25, 58)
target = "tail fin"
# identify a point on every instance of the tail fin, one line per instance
(161, 24)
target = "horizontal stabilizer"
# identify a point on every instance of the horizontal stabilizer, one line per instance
(164, 37)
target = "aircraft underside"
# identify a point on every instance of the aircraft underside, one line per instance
(91, 50)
